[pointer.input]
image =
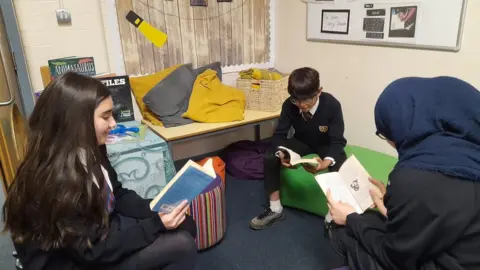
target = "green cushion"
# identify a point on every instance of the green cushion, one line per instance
(298, 188)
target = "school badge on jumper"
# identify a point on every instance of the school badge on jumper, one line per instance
(323, 128)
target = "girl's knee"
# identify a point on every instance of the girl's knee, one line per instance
(186, 244)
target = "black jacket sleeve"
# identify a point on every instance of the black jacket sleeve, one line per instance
(119, 243)
(336, 130)
(284, 124)
(127, 202)
(423, 221)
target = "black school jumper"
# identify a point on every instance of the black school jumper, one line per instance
(322, 134)
(134, 232)
(433, 223)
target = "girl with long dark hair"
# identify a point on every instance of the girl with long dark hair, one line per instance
(66, 208)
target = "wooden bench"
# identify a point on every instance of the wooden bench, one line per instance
(198, 130)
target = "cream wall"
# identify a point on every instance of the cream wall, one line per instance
(44, 39)
(356, 75)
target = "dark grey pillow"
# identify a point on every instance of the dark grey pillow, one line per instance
(217, 66)
(168, 100)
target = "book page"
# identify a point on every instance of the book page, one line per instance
(338, 189)
(293, 155)
(296, 159)
(356, 179)
(309, 161)
(208, 168)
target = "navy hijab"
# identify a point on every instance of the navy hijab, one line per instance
(434, 123)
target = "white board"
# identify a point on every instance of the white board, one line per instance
(425, 24)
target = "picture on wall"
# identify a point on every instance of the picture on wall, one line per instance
(202, 3)
(403, 21)
(374, 23)
(335, 21)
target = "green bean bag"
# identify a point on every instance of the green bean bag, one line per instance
(298, 188)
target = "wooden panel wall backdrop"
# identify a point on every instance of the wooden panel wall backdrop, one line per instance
(233, 33)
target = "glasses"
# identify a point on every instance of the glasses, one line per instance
(307, 101)
(380, 135)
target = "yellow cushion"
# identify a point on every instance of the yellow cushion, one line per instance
(140, 87)
(213, 102)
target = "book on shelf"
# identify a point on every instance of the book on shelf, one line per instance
(80, 65)
(350, 184)
(293, 158)
(189, 182)
(119, 87)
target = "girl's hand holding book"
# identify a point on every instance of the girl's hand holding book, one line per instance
(176, 217)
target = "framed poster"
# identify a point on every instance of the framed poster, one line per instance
(335, 21)
(403, 21)
(198, 3)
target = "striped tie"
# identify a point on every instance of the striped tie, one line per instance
(110, 198)
(307, 116)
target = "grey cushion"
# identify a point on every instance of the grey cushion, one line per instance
(214, 66)
(168, 100)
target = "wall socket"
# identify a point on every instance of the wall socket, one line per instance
(63, 15)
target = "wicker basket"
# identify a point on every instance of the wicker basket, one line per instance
(264, 95)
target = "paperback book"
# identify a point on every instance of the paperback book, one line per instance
(350, 184)
(189, 182)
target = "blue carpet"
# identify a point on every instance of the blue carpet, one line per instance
(297, 242)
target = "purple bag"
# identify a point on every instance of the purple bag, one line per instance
(244, 159)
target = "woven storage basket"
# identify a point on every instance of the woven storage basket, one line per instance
(264, 95)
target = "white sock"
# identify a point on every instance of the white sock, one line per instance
(276, 206)
(328, 217)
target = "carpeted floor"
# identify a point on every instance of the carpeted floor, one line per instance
(295, 243)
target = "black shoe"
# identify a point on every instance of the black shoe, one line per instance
(265, 219)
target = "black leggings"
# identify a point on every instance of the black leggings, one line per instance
(173, 250)
(170, 251)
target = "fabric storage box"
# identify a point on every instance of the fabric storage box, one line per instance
(264, 95)
(145, 166)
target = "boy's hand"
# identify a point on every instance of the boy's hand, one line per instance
(285, 162)
(322, 165)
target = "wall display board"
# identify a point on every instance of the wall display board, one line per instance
(424, 24)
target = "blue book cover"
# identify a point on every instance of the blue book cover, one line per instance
(189, 182)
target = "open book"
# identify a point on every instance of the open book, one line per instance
(189, 182)
(295, 158)
(350, 185)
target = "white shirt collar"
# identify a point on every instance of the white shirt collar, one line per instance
(314, 107)
(81, 155)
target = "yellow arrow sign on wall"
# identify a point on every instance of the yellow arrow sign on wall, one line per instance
(157, 37)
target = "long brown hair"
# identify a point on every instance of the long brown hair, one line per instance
(53, 201)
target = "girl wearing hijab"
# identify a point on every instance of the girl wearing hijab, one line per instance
(429, 217)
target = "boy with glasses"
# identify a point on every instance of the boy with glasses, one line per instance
(317, 119)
